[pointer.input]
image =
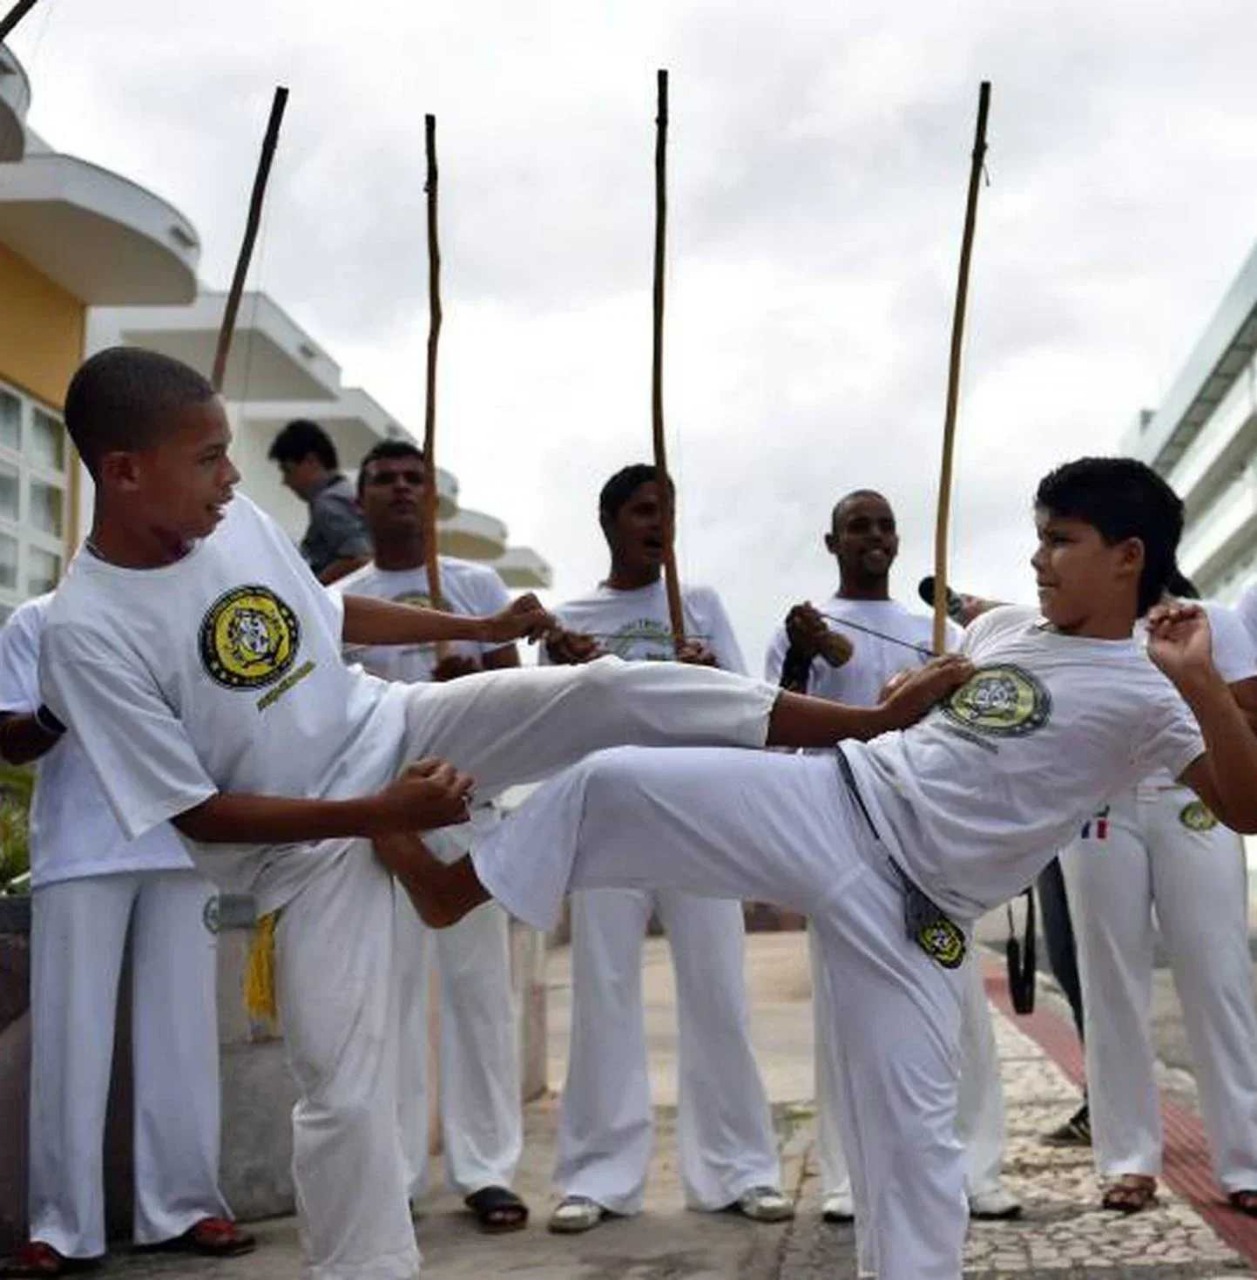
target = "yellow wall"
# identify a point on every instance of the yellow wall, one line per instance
(41, 331)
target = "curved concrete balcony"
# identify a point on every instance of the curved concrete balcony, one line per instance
(15, 98)
(472, 535)
(523, 568)
(103, 239)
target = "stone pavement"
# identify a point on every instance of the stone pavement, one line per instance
(1062, 1234)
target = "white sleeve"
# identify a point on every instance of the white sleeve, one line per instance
(19, 661)
(138, 750)
(1234, 650)
(720, 640)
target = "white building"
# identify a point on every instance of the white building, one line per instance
(1203, 440)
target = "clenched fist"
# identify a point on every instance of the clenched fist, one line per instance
(427, 794)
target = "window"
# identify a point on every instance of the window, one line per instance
(35, 516)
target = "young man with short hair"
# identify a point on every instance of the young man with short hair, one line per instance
(882, 638)
(478, 1052)
(895, 845)
(199, 664)
(336, 540)
(727, 1147)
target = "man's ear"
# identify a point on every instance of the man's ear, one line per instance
(120, 469)
(1131, 556)
(831, 544)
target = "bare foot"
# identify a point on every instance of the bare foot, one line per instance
(441, 894)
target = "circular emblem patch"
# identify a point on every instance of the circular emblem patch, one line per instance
(943, 941)
(1197, 816)
(249, 638)
(211, 915)
(1005, 700)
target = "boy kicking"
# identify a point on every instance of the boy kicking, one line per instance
(198, 661)
(894, 846)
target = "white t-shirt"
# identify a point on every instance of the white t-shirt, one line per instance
(466, 588)
(73, 832)
(873, 660)
(634, 625)
(974, 800)
(219, 673)
(1234, 655)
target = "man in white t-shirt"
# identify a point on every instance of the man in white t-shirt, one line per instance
(895, 845)
(727, 1147)
(92, 890)
(883, 639)
(199, 663)
(480, 1108)
(1156, 847)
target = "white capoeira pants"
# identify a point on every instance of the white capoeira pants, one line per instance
(725, 1136)
(780, 828)
(335, 955)
(79, 931)
(980, 1114)
(1139, 858)
(478, 1049)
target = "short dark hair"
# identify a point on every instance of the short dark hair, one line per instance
(1122, 498)
(120, 399)
(848, 497)
(622, 486)
(301, 438)
(386, 449)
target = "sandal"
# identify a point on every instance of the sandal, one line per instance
(211, 1238)
(764, 1204)
(1244, 1200)
(1131, 1193)
(498, 1210)
(37, 1258)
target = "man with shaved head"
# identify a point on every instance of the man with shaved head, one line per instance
(878, 637)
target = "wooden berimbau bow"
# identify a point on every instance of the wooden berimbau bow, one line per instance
(430, 496)
(672, 584)
(953, 374)
(228, 326)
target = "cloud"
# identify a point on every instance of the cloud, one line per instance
(817, 168)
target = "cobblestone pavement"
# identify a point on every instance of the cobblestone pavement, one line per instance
(1062, 1233)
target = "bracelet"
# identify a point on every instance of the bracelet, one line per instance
(47, 721)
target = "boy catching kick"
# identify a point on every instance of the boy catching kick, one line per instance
(895, 846)
(198, 661)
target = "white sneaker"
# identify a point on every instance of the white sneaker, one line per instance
(995, 1205)
(574, 1214)
(765, 1204)
(838, 1206)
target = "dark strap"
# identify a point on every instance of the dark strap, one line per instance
(1021, 959)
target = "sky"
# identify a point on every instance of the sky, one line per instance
(818, 160)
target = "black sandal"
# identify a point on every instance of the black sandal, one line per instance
(498, 1210)
(1131, 1193)
(1244, 1201)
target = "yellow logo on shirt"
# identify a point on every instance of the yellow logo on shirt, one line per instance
(249, 638)
(1005, 701)
(1197, 816)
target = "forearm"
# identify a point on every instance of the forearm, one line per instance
(1231, 749)
(799, 721)
(252, 819)
(369, 621)
(23, 739)
(341, 567)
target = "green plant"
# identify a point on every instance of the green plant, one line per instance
(15, 798)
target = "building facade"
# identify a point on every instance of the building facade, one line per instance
(1203, 440)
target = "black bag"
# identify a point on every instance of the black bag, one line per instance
(1021, 959)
